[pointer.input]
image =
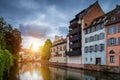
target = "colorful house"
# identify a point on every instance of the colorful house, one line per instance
(113, 37)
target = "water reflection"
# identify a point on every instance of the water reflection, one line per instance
(36, 71)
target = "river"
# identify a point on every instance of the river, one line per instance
(36, 71)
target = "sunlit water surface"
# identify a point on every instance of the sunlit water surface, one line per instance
(36, 71)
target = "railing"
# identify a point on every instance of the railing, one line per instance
(74, 53)
(74, 31)
(75, 45)
(74, 24)
(74, 38)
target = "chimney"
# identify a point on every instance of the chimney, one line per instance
(117, 6)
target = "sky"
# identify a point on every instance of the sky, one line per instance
(42, 19)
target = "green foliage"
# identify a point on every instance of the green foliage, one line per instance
(13, 40)
(10, 44)
(2, 42)
(6, 61)
(12, 37)
(46, 50)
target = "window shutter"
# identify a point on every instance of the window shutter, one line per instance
(115, 29)
(108, 42)
(119, 41)
(114, 41)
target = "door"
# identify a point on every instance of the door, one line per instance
(98, 60)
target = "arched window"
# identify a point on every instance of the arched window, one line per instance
(111, 52)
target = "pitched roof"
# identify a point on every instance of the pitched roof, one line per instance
(83, 12)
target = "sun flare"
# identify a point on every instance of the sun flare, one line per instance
(34, 44)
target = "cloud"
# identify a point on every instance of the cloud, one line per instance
(46, 18)
(39, 31)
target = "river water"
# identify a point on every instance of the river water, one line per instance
(36, 71)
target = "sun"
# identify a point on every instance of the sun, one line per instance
(36, 47)
(34, 44)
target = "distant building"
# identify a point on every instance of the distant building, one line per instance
(58, 50)
(76, 34)
(113, 37)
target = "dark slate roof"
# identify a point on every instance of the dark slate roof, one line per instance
(114, 16)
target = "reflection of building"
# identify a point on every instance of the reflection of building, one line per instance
(58, 74)
(113, 37)
(76, 34)
(58, 50)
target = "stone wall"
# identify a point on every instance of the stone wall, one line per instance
(102, 68)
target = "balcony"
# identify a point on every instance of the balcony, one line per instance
(74, 31)
(73, 25)
(75, 38)
(74, 53)
(75, 45)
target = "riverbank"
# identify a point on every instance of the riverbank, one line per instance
(99, 68)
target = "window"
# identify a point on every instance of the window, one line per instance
(119, 28)
(102, 36)
(112, 18)
(95, 37)
(93, 29)
(88, 30)
(85, 40)
(85, 31)
(111, 52)
(60, 48)
(51, 50)
(97, 27)
(91, 59)
(64, 47)
(98, 60)
(112, 42)
(86, 49)
(112, 59)
(95, 48)
(102, 26)
(101, 47)
(119, 41)
(86, 59)
(91, 38)
(90, 49)
(88, 39)
(112, 30)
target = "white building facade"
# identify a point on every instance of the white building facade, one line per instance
(95, 43)
(58, 50)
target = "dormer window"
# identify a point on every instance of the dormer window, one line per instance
(112, 18)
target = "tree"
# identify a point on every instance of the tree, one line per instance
(12, 37)
(45, 55)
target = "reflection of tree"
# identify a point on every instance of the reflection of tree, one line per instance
(28, 67)
(45, 72)
(13, 74)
